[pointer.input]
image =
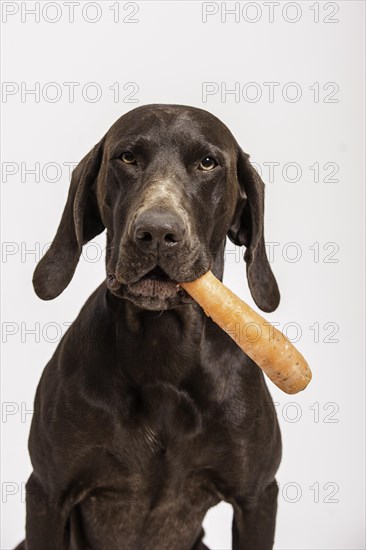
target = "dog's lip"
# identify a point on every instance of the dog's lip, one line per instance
(156, 283)
(114, 281)
(157, 274)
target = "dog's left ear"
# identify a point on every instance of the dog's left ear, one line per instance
(247, 230)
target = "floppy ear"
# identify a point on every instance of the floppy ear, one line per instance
(80, 222)
(247, 229)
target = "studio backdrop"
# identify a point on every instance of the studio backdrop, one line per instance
(288, 79)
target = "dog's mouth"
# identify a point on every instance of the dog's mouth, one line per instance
(155, 283)
(155, 289)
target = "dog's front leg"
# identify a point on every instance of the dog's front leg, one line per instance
(254, 519)
(46, 517)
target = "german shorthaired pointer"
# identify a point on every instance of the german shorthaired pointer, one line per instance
(148, 414)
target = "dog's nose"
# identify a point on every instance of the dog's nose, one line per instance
(158, 227)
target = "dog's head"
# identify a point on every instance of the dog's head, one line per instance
(168, 182)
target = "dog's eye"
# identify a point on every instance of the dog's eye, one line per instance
(128, 157)
(208, 163)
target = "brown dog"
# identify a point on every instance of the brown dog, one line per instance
(148, 414)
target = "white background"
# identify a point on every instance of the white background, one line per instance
(168, 54)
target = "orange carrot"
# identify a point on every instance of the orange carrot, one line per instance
(261, 341)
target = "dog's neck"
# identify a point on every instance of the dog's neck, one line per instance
(144, 338)
(155, 345)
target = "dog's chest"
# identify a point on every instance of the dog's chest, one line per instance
(169, 440)
(175, 425)
(161, 421)
(159, 360)
(159, 472)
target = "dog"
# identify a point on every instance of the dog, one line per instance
(148, 414)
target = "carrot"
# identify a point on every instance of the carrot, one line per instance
(261, 341)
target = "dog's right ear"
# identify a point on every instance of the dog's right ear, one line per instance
(80, 222)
